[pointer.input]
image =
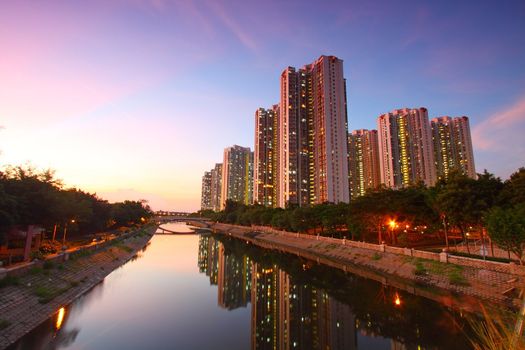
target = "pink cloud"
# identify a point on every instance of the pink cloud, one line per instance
(502, 129)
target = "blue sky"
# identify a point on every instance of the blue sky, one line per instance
(136, 99)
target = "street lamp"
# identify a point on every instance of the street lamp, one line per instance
(393, 225)
(444, 217)
(65, 231)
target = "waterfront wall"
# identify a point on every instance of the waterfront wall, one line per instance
(510, 268)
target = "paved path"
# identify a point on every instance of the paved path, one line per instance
(41, 292)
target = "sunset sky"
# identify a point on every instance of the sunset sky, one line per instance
(136, 99)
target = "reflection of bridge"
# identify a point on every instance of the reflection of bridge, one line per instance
(199, 222)
(171, 232)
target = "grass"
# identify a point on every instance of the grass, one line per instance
(81, 254)
(124, 247)
(376, 256)
(46, 294)
(456, 278)
(495, 332)
(454, 273)
(36, 270)
(4, 324)
(9, 281)
(420, 268)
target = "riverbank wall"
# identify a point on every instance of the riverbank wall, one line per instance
(439, 276)
(33, 292)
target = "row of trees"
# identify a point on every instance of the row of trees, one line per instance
(460, 205)
(30, 197)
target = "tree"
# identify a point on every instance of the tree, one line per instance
(465, 201)
(513, 192)
(506, 228)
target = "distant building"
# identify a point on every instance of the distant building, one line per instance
(452, 146)
(206, 191)
(313, 157)
(405, 148)
(237, 175)
(265, 156)
(216, 187)
(364, 169)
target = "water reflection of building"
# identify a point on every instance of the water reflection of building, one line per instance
(208, 257)
(234, 280)
(287, 315)
(203, 253)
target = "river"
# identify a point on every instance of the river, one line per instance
(207, 292)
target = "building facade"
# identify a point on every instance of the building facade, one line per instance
(363, 155)
(206, 191)
(313, 128)
(216, 187)
(265, 156)
(452, 146)
(237, 175)
(405, 148)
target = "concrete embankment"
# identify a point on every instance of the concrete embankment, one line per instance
(457, 285)
(31, 295)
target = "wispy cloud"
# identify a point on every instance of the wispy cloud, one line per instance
(500, 128)
(233, 26)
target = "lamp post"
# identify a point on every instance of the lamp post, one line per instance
(444, 217)
(65, 232)
(392, 224)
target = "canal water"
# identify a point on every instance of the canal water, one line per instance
(209, 292)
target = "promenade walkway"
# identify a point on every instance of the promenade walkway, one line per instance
(40, 293)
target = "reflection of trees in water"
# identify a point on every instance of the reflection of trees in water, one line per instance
(415, 321)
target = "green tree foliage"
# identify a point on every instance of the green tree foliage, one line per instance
(506, 228)
(513, 192)
(30, 197)
(465, 201)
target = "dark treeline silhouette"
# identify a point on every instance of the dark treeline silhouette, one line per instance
(30, 197)
(460, 205)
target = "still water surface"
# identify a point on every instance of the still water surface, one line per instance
(198, 292)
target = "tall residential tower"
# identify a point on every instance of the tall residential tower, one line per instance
(363, 157)
(216, 187)
(313, 129)
(405, 146)
(237, 175)
(453, 146)
(265, 156)
(206, 191)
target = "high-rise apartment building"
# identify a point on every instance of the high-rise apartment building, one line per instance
(237, 175)
(206, 191)
(452, 146)
(216, 187)
(364, 170)
(313, 165)
(406, 154)
(265, 156)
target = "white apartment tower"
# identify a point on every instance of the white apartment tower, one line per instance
(313, 150)
(405, 147)
(237, 175)
(206, 191)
